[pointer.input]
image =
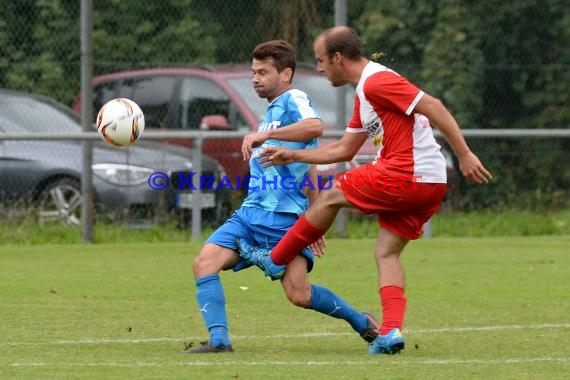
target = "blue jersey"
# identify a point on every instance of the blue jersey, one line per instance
(281, 188)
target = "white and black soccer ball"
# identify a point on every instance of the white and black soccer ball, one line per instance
(120, 122)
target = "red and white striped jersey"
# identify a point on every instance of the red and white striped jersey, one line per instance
(383, 108)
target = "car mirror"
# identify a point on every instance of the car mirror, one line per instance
(214, 122)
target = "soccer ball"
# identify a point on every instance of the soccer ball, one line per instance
(120, 122)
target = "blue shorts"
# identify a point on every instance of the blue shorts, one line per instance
(258, 227)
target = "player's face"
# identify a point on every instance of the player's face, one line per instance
(331, 67)
(267, 81)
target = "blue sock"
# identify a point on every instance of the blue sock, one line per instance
(212, 303)
(325, 301)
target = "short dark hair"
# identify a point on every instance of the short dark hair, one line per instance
(282, 53)
(344, 40)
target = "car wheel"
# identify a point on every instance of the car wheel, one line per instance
(60, 201)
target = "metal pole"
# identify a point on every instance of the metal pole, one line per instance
(196, 194)
(87, 209)
(340, 19)
(340, 12)
(428, 229)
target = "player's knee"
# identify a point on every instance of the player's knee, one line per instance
(300, 300)
(203, 265)
(333, 197)
(199, 264)
(299, 297)
(388, 255)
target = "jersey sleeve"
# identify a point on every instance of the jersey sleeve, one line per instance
(392, 91)
(301, 106)
(355, 124)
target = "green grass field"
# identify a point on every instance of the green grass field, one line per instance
(494, 308)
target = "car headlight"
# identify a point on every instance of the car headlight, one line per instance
(121, 174)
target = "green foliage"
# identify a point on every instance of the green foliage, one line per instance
(445, 223)
(131, 34)
(27, 232)
(522, 44)
(453, 62)
(42, 48)
(494, 64)
(529, 174)
(483, 223)
(245, 24)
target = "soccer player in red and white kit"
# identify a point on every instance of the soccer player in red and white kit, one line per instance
(403, 186)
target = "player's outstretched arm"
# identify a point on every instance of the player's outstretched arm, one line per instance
(342, 150)
(439, 115)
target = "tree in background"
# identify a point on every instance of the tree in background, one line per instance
(495, 64)
(40, 48)
(131, 34)
(243, 25)
(41, 41)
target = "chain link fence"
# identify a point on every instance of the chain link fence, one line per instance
(495, 65)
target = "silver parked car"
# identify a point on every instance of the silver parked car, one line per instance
(45, 176)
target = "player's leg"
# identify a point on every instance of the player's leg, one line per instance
(218, 253)
(397, 228)
(210, 295)
(391, 279)
(212, 259)
(302, 293)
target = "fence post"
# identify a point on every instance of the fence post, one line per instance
(87, 208)
(340, 17)
(196, 194)
(428, 229)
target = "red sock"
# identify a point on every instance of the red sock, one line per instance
(299, 236)
(393, 308)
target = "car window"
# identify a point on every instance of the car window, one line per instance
(102, 93)
(244, 88)
(21, 114)
(153, 94)
(323, 95)
(198, 98)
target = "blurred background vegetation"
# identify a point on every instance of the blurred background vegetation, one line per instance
(495, 64)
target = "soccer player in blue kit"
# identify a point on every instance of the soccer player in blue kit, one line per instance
(271, 207)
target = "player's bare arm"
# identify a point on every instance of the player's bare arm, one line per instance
(303, 130)
(339, 151)
(469, 163)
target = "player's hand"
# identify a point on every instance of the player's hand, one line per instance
(250, 141)
(473, 169)
(318, 247)
(272, 156)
